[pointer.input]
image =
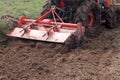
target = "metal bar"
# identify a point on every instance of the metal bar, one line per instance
(113, 2)
(117, 5)
(44, 16)
(52, 23)
(59, 17)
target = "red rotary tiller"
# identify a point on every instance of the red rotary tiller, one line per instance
(46, 29)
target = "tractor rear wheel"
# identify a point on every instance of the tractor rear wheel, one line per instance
(111, 17)
(48, 5)
(88, 13)
(46, 8)
(118, 14)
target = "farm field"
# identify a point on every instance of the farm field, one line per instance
(20, 59)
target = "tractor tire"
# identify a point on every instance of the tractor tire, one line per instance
(88, 13)
(46, 7)
(111, 18)
(118, 14)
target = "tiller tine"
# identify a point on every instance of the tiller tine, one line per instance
(44, 29)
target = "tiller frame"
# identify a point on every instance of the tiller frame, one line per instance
(46, 29)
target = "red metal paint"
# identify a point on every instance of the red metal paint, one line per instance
(62, 4)
(91, 19)
(108, 3)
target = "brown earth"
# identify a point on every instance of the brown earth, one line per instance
(99, 59)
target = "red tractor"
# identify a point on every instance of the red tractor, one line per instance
(68, 21)
(90, 12)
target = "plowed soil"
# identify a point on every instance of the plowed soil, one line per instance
(98, 59)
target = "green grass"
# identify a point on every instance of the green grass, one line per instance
(30, 8)
(118, 1)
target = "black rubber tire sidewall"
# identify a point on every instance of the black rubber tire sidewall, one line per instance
(82, 16)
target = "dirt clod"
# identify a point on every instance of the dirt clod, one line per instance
(9, 21)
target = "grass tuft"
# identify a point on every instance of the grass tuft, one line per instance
(3, 31)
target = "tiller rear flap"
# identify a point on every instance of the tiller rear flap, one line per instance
(45, 29)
